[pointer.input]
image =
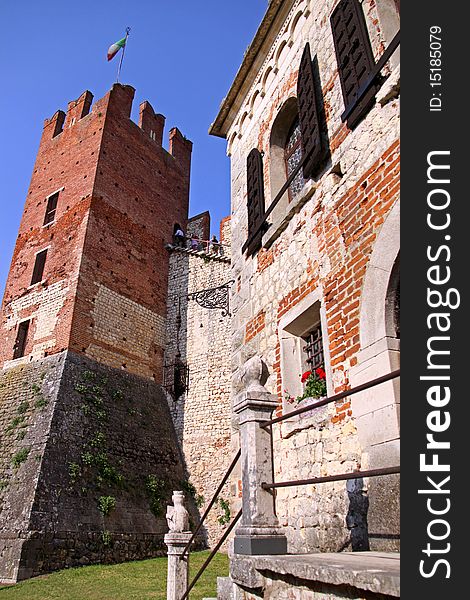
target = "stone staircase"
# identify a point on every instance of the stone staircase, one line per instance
(356, 575)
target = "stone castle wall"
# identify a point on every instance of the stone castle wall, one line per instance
(89, 461)
(201, 415)
(315, 267)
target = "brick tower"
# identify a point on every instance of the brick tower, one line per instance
(82, 414)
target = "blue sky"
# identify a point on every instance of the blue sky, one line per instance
(181, 56)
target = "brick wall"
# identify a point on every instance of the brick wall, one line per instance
(120, 194)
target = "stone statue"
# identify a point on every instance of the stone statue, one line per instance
(254, 375)
(177, 516)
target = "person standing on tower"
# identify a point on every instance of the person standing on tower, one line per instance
(179, 237)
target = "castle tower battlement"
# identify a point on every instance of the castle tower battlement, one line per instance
(103, 200)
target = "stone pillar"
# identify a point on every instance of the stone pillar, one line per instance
(178, 566)
(258, 532)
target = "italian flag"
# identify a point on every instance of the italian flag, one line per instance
(114, 48)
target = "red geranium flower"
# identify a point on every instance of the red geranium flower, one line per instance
(321, 373)
(305, 376)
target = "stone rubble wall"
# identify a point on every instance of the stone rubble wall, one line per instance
(201, 415)
(28, 393)
(199, 226)
(90, 434)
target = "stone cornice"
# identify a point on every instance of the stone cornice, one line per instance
(254, 56)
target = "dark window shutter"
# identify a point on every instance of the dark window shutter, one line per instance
(51, 208)
(39, 266)
(308, 114)
(354, 56)
(20, 343)
(255, 200)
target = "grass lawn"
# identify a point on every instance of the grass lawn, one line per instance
(137, 580)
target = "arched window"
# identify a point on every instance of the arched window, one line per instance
(297, 150)
(392, 302)
(293, 156)
(296, 132)
(281, 162)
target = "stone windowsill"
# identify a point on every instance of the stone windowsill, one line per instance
(42, 283)
(285, 210)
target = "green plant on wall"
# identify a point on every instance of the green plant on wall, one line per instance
(41, 402)
(22, 407)
(98, 440)
(224, 518)
(93, 390)
(106, 538)
(106, 504)
(117, 395)
(15, 422)
(106, 473)
(156, 490)
(190, 490)
(20, 457)
(88, 376)
(74, 471)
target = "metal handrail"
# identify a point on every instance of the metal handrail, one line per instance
(212, 554)
(189, 238)
(343, 476)
(335, 398)
(271, 486)
(212, 502)
(328, 478)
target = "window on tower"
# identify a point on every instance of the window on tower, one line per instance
(21, 337)
(51, 208)
(39, 266)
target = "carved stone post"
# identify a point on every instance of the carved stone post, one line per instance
(258, 532)
(176, 540)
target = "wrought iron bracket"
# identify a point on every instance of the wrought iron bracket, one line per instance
(217, 297)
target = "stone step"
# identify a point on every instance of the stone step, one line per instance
(224, 588)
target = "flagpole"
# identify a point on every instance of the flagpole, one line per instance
(122, 55)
